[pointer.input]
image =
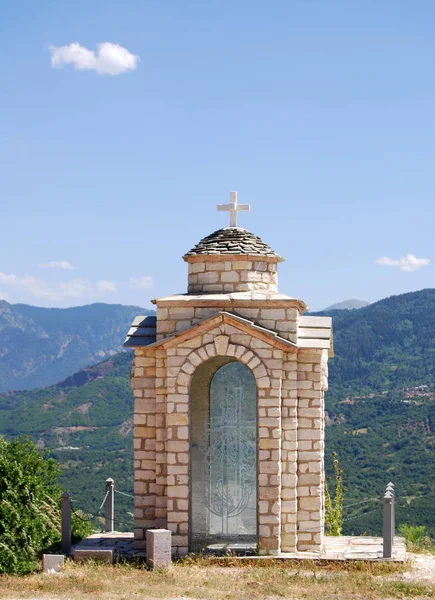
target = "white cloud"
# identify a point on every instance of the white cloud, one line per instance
(58, 264)
(75, 288)
(104, 286)
(406, 263)
(4, 296)
(141, 283)
(109, 59)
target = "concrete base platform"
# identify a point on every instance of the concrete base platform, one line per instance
(335, 548)
(348, 547)
(121, 544)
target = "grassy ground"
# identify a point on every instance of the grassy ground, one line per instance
(209, 580)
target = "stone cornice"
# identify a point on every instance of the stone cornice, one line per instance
(222, 301)
(230, 258)
(244, 325)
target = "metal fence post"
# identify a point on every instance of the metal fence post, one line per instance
(387, 525)
(66, 524)
(390, 488)
(109, 506)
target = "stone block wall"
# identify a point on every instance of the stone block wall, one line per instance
(232, 274)
(175, 319)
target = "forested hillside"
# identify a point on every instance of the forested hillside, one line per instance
(387, 345)
(41, 346)
(380, 416)
(389, 437)
(87, 422)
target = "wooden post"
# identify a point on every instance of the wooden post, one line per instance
(387, 526)
(66, 524)
(109, 506)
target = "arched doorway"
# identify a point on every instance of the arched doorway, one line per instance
(223, 503)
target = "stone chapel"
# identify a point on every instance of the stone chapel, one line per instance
(229, 381)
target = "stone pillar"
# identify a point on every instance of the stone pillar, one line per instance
(178, 449)
(158, 548)
(269, 457)
(289, 453)
(161, 440)
(310, 481)
(143, 376)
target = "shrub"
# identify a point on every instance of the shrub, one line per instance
(30, 499)
(415, 536)
(334, 506)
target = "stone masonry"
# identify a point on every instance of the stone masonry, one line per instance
(232, 260)
(233, 309)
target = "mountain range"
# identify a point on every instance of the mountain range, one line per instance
(347, 305)
(41, 346)
(380, 416)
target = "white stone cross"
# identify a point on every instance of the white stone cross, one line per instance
(233, 208)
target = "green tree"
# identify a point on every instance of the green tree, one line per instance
(29, 504)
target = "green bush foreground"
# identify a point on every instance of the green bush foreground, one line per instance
(30, 501)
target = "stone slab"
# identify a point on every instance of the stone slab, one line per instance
(339, 548)
(122, 543)
(52, 563)
(342, 548)
(314, 343)
(309, 321)
(96, 554)
(243, 296)
(158, 548)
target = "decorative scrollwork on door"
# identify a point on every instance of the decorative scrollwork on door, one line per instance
(230, 455)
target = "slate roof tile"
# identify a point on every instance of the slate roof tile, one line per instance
(232, 240)
(142, 332)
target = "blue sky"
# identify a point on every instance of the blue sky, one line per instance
(320, 113)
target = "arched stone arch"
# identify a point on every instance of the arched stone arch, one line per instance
(268, 377)
(222, 346)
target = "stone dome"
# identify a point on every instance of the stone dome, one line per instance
(234, 241)
(232, 260)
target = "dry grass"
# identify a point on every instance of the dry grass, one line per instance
(207, 579)
(420, 548)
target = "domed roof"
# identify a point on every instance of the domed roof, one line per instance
(232, 241)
